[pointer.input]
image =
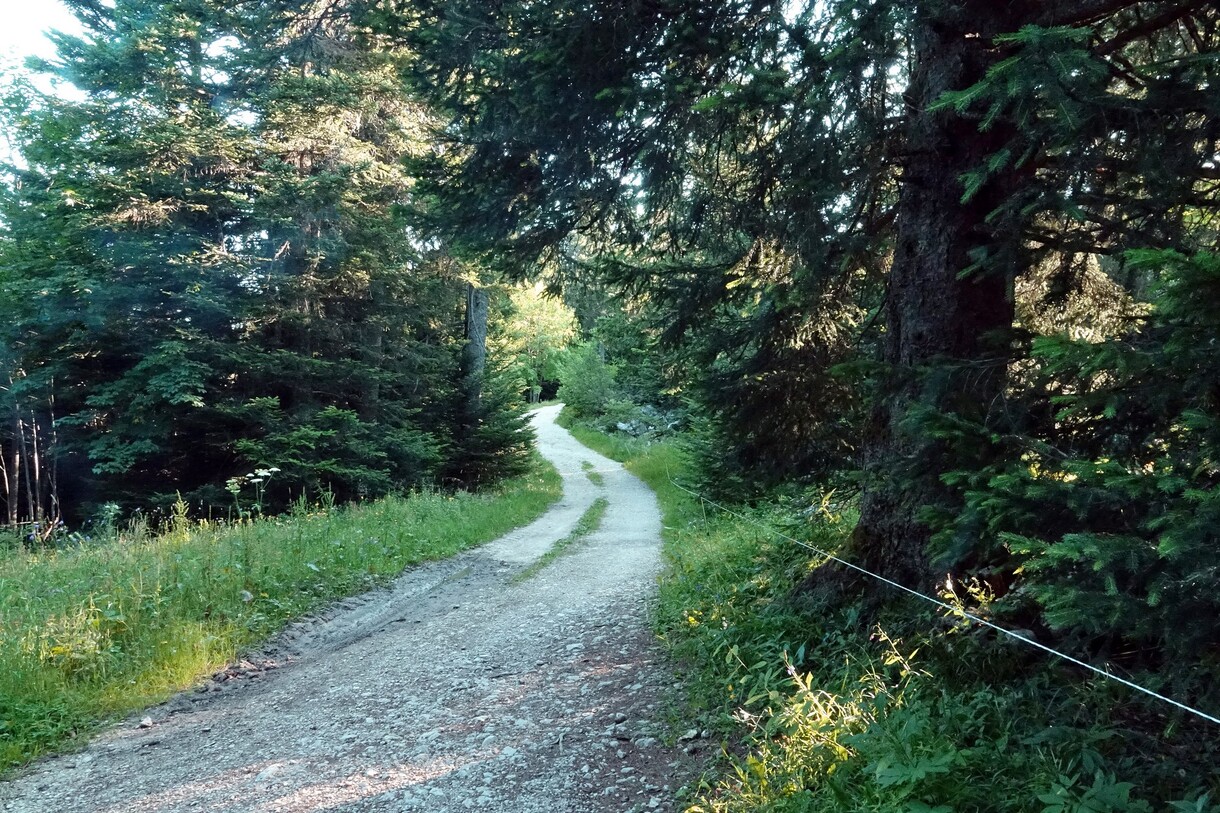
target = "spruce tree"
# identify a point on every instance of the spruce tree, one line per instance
(212, 267)
(802, 184)
(120, 261)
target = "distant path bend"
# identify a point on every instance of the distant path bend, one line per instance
(455, 690)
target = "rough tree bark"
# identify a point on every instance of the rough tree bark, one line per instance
(947, 332)
(474, 355)
(374, 350)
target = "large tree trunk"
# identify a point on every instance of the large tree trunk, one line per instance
(947, 332)
(36, 459)
(374, 350)
(474, 355)
(30, 495)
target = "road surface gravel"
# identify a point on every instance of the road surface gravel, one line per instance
(456, 689)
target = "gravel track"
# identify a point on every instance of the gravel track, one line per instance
(454, 690)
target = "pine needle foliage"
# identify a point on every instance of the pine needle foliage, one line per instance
(209, 268)
(1108, 513)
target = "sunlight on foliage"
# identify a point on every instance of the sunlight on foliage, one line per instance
(99, 630)
(826, 706)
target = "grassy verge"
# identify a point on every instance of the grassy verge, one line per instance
(618, 447)
(595, 477)
(658, 464)
(823, 706)
(589, 522)
(93, 633)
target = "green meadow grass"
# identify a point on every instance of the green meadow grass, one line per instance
(93, 633)
(618, 446)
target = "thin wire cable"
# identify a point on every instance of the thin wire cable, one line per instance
(952, 609)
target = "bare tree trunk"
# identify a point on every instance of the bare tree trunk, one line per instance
(30, 499)
(474, 355)
(14, 472)
(56, 512)
(4, 474)
(10, 484)
(36, 460)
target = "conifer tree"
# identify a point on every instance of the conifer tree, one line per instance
(212, 269)
(120, 226)
(880, 171)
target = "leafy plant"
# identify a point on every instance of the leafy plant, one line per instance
(823, 706)
(587, 383)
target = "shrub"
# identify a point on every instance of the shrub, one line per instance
(587, 386)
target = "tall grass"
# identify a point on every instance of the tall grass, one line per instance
(824, 705)
(98, 631)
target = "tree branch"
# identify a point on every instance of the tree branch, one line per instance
(1152, 25)
(1079, 13)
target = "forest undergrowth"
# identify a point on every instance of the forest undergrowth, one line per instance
(824, 705)
(97, 630)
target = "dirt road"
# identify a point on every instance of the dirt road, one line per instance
(456, 690)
